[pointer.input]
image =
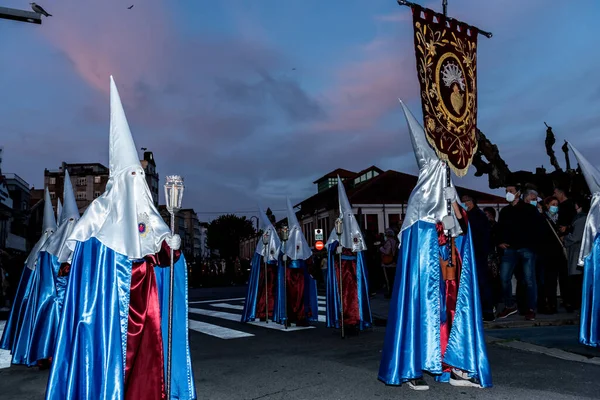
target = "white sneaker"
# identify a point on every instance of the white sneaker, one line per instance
(418, 384)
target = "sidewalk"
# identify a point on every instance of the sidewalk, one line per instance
(380, 306)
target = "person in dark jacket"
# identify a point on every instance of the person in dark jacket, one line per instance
(481, 231)
(519, 229)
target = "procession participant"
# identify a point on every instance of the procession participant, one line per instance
(589, 258)
(112, 336)
(17, 331)
(435, 320)
(351, 297)
(257, 297)
(54, 261)
(296, 289)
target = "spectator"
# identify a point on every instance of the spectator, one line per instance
(324, 270)
(481, 233)
(389, 252)
(566, 210)
(494, 256)
(573, 244)
(552, 258)
(519, 232)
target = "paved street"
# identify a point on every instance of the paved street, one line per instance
(263, 361)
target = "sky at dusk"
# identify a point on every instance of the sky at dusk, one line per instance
(251, 101)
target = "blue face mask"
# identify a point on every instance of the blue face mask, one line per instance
(463, 205)
(553, 209)
(533, 203)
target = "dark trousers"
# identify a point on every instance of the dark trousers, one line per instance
(485, 284)
(575, 289)
(512, 258)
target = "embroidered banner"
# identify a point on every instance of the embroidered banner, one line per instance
(447, 67)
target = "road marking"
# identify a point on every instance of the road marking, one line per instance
(556, 353)
(5, 357)
(216, 331)
(214, 301)
(236, 317)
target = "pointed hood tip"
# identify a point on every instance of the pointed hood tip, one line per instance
(49, 221)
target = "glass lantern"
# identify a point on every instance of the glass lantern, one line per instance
(174, 192)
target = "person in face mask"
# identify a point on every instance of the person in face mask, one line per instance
(555, 259)
(481, 231)
(519, 230)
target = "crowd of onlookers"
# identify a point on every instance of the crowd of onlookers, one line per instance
(535, 241)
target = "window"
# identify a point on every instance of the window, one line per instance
(52, 195)
(81, 196)
(372, 223)
(393, 221)
(52, 181)
(308, 232)
(81, 181)
(97, 179)
(97, 194)
(323, 223)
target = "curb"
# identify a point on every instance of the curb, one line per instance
(379, 320)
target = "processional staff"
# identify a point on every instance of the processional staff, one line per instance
(174, 197)
(339, 229)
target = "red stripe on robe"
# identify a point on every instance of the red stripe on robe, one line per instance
(349, 288)
(271, 277)
(144, 364)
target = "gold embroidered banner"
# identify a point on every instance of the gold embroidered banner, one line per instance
(447, 67)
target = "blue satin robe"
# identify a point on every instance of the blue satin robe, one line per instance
(90, 355)
(589, 328)
(249, 312)
(310, 292)
(17, 330)
(412, 338)
(333, 295)
(47, 314)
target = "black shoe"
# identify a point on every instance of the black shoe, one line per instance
(489, 317)
(459, 378)
(418, 384)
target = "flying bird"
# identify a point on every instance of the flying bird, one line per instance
(38, 9)
(130, 7)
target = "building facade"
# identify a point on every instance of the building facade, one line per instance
(89, 181)
(151, 175)
(378, 198)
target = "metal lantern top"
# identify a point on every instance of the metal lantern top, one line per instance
(339, 226)
(284, 234)
(265, 238)
(174, 192)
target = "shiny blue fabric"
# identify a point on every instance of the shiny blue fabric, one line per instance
(249, 312)
(47, 314)
(333, 295)
(309, 296)
(589, 328)
(89, 360)
(412, 339)
(182, 375)
(18, 326)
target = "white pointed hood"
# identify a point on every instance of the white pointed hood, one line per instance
(426, 202)
(57, 243)
(48, 228)
(296, 247)
(124, 218)
(274, 245)
(592, 223)
(58, 211)
(352, 237)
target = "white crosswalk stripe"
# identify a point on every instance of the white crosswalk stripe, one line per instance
(216, 330)
(216, 309)
(4, 354)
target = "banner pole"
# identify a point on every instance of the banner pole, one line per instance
(411, 4)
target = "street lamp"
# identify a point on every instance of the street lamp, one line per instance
(251, 218)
